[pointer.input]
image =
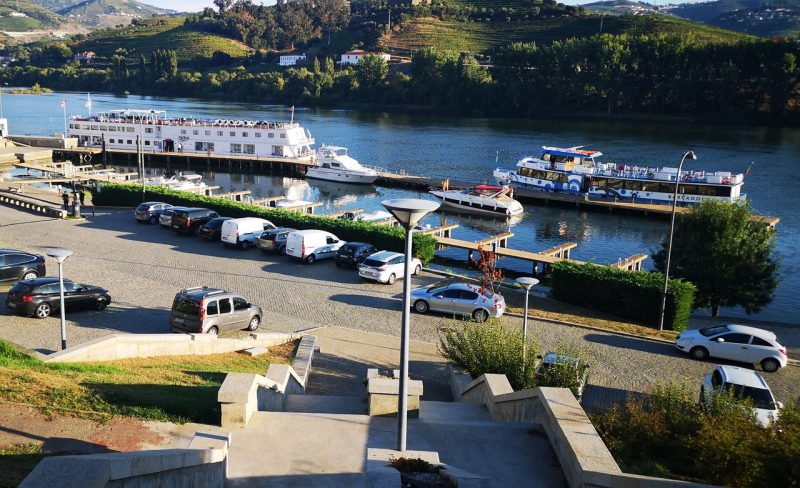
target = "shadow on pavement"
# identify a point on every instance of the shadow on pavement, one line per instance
(371, 302)
(633, 343)
(161, 402)
(61, 445)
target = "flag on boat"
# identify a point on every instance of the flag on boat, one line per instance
(291, 109)
(63, 103)
(747, 171)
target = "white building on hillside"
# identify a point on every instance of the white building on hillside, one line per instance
(354, 57)
(292, 59)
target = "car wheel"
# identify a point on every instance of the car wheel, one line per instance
(421, 306)
(43, 311)
(417, 270)
(770, 365)
(244, 245)
(153, 220)
(254, 323)
(699, 353)
(282, 250)
(213, 331)
(390, 280)
(480, 315)
(338, 264)
(29, 275)
(310, 259)
(196, 231)
(101, 303)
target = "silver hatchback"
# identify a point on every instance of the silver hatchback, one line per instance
(201, 310)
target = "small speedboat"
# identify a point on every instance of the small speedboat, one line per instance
(333, 164)
(484, 199)
(185, 182)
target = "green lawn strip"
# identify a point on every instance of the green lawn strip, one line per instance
(16, 462)
(170, 389)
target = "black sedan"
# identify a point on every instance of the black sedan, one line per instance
(353, 254)
(18, 265)
(41, 297)
(212, 229)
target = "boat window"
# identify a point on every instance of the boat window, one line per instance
(110, 128)
(665, 188)
(616, 184)
(219, 133)
(244, 134)
(283, 136)
(233, 134)
(270, 135)
(524, 171)
(546, 157)
(208, 132)
(183, 132)
(326, 165)
(249, 148)
(258, 134)
(102, 127)
(129, 129)
(336, 165)
(633, 185)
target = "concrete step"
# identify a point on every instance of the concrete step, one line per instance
(453, 412)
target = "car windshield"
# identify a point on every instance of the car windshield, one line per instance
(21, 288)
(373, 262)
(760, 397)
(187, 305)
(711, 331)
(347, 250)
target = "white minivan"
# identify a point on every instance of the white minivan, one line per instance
(310, 245)
(244, 232)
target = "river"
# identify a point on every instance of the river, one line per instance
(465, 149)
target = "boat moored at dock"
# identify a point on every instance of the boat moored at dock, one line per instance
(578, 172)
(484, 199)
(334, 164)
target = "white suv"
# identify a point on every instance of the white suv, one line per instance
(745, 383)
(735, 342)
(386, 266)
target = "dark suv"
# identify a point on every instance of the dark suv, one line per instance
(18, 265)
(212, 229)
(189, 220)
(353, 253)
(150, 212)
(41, 297)
(210, 310)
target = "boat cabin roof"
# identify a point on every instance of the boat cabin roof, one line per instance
(572, 151)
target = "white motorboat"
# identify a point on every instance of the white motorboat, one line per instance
(185, 182)
(484, 199)
(333, 164)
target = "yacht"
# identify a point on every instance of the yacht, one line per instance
(185, 182)
(333, 164)
(484, 199)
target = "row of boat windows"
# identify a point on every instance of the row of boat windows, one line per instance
(149, 130)
(655, 187)
(556, 158)
(543, 175)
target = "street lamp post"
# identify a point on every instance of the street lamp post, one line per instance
(60, 255)
(686, 155)
(527, 282)
(408, 212)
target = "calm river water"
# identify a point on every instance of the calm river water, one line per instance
(465, 149)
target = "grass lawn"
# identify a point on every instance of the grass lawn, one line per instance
(171, 388)
(16, 462)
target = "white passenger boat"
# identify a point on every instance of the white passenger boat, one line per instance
(219, 137)
(333, 164)
(484, 199)
(578, 172)
(185, 182)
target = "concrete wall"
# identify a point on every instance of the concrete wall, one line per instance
(14, 200)
(125, 346)
(204, 464)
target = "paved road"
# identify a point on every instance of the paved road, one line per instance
(143, 266)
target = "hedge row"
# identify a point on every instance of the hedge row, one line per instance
(632, 294)
(382, 237)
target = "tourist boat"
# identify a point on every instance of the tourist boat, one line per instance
(484, 199)
(220, 137)
(184, 182)
(578, 172)
(333, 164)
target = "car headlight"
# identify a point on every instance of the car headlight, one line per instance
(686, 339)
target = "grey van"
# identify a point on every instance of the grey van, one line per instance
(201, 310)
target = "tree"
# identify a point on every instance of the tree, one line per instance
(371, 74)
(726, 254)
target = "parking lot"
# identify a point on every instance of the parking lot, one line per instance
(143, 267)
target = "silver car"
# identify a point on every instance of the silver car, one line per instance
(458, 299)
(203, 310)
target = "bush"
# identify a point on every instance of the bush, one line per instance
(490, 348)
(569, 370)
(631, 294)
(382, 237)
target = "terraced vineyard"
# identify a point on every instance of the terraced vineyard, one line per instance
(18, 24)
(480, 37)
(160, 33)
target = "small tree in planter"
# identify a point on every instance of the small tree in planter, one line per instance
(491, 276)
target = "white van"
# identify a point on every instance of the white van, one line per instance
(310, 245)
(244, 232)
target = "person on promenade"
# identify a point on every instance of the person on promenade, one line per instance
(65, 197)
(81, 196)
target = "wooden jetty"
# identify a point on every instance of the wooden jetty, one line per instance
(236, 196)
(633, 263)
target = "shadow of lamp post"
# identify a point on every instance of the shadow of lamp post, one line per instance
(408, 212)
(61, 255)
(527, 282)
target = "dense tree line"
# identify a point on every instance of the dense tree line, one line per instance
(613, 74)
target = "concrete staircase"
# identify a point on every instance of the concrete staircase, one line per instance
(322, 441)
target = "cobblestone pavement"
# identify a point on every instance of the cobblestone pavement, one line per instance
(143, 266)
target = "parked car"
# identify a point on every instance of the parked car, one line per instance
(189, 220)
(580, 367)
(311, 245)
(244, 232)
(212, 229)
(165, 219)
(42, 296)
(353, 253)
(150, 212)
(735, 342)
(274, 240)
(746, 384)
(212, 311)
(386, 266)
(20, 265)
(459, 299)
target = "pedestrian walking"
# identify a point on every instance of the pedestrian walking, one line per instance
(58, 187)
(81, 196)
(65, 197)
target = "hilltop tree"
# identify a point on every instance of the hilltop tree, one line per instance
(726, 254)
(371, 74)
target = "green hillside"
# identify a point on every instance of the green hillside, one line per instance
(37, 17)
(160, 33)
(480, 37)
(106, 7)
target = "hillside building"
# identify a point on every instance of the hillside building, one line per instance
(85, 57)
(354, 57)
(292, 59)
